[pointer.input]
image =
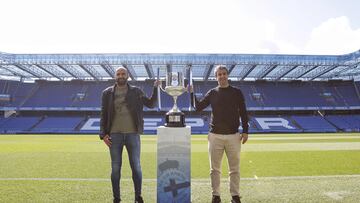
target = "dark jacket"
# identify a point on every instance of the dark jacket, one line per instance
(135, 100)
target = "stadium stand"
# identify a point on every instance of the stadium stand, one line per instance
(18, 124)
(346, 123)
(61, 93)
(264, 99)
(58, 125)
(313, 124)
(53, 94)
(82, 94)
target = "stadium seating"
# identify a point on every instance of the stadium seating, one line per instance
(58, 125)
(313, 124)
(316, 95)
(44, 100)
(18, 124)
(53, 94)
(347, 123)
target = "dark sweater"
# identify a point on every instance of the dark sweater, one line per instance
(228, 105)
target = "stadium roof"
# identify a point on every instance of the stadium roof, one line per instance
(144, 66)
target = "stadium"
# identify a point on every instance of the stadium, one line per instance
(284, 93)
(304, 125)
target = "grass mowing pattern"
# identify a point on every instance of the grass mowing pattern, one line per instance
(83, 156)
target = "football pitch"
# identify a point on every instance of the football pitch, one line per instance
(274, 168)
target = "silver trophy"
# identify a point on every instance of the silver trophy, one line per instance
(174, 87)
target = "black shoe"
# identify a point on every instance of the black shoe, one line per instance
(139, 199)
(116, 200)
(235, 199)
(216, 199)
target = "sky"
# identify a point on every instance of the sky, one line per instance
(324, 27)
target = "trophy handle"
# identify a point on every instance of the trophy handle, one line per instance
(158, 89)
(160, 86)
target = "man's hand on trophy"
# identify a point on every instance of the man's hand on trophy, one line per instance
(190, 88)
(157, 83)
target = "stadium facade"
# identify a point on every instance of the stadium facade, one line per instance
(60, 93)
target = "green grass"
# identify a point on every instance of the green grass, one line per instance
(85, 156)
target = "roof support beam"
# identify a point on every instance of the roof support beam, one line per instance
(248, 72)
(345, 69)
(207, 72)
(88, 71)
(69, 72)
(306, 72)
(108, 69)
(330, 68)
(23, 68)
(48, 72)
(131, 71)
(149, 70)
(271, 68)
(231, 68)
(286, 72)
(11, 71)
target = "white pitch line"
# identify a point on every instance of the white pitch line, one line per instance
(71, 179)
(323, 146)
(305, 138)
(290, 138)
(192, 180)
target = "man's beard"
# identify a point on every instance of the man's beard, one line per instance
(121, 81)
(223, 82)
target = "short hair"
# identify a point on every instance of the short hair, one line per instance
(220, 67)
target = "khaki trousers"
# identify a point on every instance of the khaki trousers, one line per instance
(231, 144)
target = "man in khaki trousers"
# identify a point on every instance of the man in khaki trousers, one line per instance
(228, 105)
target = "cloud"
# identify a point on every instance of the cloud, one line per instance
(159, 26)
(334, 36)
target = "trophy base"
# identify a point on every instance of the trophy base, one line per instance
(175, 119)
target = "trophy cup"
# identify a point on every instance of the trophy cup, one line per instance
(174, 87)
